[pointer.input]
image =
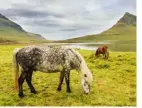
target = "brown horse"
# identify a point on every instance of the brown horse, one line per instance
(102, 50)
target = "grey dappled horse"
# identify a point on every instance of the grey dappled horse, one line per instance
(49, 59)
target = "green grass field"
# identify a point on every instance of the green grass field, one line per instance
(114, 83)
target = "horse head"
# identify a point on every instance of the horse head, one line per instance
(86, 81)
(86, 77)
(85, 74)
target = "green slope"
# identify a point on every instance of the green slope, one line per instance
(122, 35)
(11, 32)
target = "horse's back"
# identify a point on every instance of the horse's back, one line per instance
(101, 50)
(47, 58)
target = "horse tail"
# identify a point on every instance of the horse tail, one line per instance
(84, 68)
(15, 68)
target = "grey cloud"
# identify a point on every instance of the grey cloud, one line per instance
(69, 29)
(13, 12)
(129, 3)
(62, 19)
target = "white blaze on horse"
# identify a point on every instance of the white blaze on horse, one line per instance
(49, 59)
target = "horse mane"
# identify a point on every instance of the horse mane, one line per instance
(84, 68)
(79, 56)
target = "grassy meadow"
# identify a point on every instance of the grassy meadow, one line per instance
(114, 83)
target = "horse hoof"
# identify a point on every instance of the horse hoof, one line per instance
(35, 92)
(68, 91)
(59, 89)
(21, 95)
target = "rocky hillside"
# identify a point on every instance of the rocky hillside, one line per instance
(128, 19)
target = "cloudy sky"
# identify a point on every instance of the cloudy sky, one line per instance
(63, 19)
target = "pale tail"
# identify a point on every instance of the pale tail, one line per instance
(15, 68)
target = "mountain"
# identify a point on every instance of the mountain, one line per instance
(128, 19)
(11, 32)
(121, 35)
(36, 36)
(6, 23)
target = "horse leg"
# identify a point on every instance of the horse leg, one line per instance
(62, 74)
(105, 55)
(28, 80)
(98, 54)
(67, 78)
(20, 83)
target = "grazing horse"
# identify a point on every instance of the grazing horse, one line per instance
(49, 59)
(102, 50)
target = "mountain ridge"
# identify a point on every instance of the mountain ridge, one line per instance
(120, 22)
(6, 23)
(13, 32)
(122, 35)
(36, 35)
(128, 19)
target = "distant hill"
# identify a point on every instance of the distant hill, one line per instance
(10, 32)
(6, 23)
(122, 35)
(36, 36)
